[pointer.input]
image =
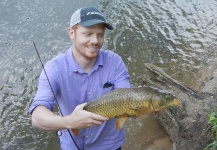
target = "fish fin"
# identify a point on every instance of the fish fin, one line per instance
(140, 116)
(142, 111)
(120, 122)
(75, 131)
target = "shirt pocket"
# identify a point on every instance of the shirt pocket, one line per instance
(103, 91)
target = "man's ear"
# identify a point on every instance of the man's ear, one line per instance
(70, 32)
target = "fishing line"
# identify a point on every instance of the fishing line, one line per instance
(54, 94)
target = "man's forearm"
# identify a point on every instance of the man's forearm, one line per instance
(44, 119)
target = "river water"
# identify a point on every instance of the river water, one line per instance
(178, 36)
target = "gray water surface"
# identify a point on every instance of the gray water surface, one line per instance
(178, 36)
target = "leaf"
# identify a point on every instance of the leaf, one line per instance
(213, 121)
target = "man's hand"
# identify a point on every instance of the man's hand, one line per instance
(80, 118)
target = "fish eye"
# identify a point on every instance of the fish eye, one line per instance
(167, 97)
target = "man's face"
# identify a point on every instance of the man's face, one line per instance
(87, 41)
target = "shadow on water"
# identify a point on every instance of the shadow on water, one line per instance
(177, 36)
(146, 134)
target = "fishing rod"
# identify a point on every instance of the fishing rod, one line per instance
(54, 93)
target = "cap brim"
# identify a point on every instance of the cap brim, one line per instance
(93, 22)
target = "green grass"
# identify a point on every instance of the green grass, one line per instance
(213, 121)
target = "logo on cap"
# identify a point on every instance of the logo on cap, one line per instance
(94, 13)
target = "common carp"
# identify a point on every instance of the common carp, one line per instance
(131, 102)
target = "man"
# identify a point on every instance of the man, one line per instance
(84, 72)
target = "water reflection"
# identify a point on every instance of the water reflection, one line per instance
(178, 36)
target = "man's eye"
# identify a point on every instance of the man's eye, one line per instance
(88, 34)
(101, 35)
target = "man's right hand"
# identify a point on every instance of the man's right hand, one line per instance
(80, 118)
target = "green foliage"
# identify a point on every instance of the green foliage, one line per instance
(213, 121)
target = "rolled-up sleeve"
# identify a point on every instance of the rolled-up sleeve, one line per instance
(45, 95)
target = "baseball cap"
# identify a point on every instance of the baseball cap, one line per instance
(88, 16)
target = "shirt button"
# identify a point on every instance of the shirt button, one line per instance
(86, 136)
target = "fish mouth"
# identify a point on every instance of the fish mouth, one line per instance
(176, 102)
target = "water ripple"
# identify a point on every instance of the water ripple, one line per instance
(176, 35)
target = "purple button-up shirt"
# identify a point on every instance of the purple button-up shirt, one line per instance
(73, 86)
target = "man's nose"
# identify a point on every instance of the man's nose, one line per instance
(94, 39)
